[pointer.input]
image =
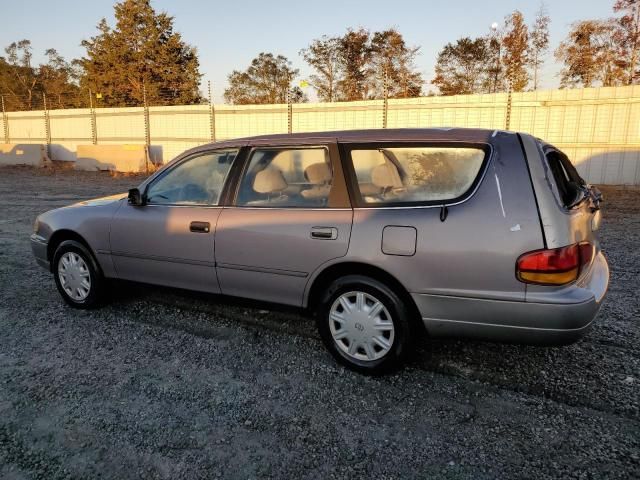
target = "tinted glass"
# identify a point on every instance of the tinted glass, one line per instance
(198, 181)
(287, 178)
(415, 174)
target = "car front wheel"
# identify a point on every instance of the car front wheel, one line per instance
(77, 275)
(364, 324)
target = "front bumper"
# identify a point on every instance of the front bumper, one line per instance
(547, 317)
(39, 249)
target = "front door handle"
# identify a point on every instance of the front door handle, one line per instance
(324, 233)
(200, 227)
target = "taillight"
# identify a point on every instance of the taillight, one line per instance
(587, 252)
(557, 266)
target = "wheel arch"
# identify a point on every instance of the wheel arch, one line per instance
(337, 270)
(62, 235)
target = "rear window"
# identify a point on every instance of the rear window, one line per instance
(567, 179)
(416, 174)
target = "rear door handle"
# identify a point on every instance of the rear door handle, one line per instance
(324, 233)
(200, 227)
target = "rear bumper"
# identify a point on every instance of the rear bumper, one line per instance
(39, 249)
(547, 317)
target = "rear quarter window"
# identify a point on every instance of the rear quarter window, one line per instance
(567, 179)
(415, 175)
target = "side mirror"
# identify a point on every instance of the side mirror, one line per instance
(135, 197)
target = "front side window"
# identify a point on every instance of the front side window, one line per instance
(415, 174)
(287, 177)
(198, 181)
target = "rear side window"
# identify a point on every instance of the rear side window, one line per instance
(416, 174)
(567, 179)
(287, 177)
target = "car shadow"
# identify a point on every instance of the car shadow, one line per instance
(464, 357)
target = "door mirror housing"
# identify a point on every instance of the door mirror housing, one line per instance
(136, 198)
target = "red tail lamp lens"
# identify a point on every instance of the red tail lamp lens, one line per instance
(557, 266)
(587, 252)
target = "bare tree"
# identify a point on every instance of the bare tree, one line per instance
(495, 71)
(628, 36)
(392, 61)
(539, 43)
(590, 54)
(355, 58)
(323, 55)
(515, 43)
(58, 78)
(19, 59)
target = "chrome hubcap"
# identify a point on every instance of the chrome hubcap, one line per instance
(361, 326)
(74, 276)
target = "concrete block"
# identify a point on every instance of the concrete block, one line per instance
(34, 155)
(119, 158)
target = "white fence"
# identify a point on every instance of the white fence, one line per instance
(599, 128)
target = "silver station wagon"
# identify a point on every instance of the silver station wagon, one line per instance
(380, 234)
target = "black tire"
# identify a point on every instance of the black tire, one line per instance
(97, 284)
(399, 313)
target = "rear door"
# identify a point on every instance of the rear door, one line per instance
(290, 215)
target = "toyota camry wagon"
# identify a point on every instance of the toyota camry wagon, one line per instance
(380, 234)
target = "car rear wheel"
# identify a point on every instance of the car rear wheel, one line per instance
(364, 324)
(77, 275)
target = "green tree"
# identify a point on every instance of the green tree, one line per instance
(141, 52)
(462, 67)
(267, 80)
(393, 61)
(539, 43)
(323, 55)
(515, 43)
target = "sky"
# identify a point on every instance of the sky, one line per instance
(229, 34)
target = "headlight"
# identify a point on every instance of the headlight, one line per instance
(36, 226)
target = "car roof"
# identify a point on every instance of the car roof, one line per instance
(371, 135)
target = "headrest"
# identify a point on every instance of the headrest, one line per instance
(215, 180)
(269, 180)
(386, 175)
(318, 173)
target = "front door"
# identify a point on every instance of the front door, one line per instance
(291, 215)
(170, 240)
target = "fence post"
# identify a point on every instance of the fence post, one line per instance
(385, 105)
(212, 115)
(5, 121)
(47, 124)
(289, 112)
(94, 126)
(147, 131)
(509, 104)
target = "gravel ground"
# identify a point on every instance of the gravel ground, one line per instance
(166, 384)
